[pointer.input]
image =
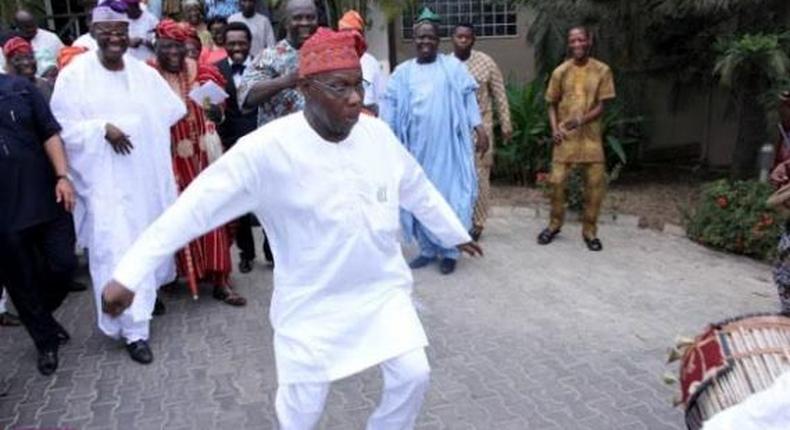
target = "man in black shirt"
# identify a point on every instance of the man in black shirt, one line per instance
(36, 252)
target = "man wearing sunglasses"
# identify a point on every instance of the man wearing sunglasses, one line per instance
(328, 185)
(116, 114)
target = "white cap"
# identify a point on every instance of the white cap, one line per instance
(104, 13)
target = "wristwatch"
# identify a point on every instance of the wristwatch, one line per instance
(60, 177)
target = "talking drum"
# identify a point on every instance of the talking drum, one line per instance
(730, 361)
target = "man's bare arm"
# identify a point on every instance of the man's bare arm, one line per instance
(262, 91)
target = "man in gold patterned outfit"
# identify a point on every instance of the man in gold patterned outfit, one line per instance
(490, 94)
(576, 94)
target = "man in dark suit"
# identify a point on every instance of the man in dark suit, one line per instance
(237, 124)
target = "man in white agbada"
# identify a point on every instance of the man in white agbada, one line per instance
(116, 114)
(46, 44)
(375, 81)
(328, 185)
(142, 25)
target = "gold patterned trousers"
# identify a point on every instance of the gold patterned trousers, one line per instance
(483, 195)
(483, 164)
(594, 191)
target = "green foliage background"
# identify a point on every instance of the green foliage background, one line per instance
(733, 216)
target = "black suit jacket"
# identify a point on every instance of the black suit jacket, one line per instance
(237, 123)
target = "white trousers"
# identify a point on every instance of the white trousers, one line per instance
(125, 326)
(406, 379)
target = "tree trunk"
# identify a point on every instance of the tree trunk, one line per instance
(752, 131)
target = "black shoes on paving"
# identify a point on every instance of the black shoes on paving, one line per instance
(63, 337)
(75, 287)
(475, 233)
(245, 265)
(159, 308)
(48, 361)
(7, 319)
(547, 236)
(447, 266)
(140, 352)
(593, 244)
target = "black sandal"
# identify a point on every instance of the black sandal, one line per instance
(593, 244)
(547, 236)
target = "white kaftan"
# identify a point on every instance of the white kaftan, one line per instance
(46, 47)
(86, 41)
(118, 196)
(375, 80)
(143, 27)
(342, 289)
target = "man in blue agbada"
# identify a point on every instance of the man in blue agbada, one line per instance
(431, 106)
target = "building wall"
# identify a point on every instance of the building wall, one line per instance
(513, 54)
(701, 120)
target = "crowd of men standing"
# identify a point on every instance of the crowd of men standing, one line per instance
(101, 137)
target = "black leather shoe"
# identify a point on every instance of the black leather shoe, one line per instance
(140, 352)
(267, 251)
(75, 287)
(63, 337)
(420, 262)
(593, 244)
(47, 362)
(475, 233)
(447, 266)
(7, 319)
(245, 266)
(547, 236)
(159, 308)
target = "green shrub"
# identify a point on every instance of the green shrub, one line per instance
(733, 216)
(529, 151)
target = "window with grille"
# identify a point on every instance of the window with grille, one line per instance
(491, 18)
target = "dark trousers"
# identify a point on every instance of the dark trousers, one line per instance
(246, 242)
(36, 266)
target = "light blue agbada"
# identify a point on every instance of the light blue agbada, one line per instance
(432, 109)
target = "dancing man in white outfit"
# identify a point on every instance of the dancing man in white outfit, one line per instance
(328, 185)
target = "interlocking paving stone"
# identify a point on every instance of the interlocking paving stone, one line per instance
(529, 337)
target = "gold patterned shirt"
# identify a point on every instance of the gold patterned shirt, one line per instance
(490, 94)
(576, 90)
(491, 90)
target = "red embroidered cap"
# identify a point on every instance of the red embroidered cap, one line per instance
(328, 50)
(17, 45)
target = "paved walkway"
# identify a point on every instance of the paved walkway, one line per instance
(528, 338)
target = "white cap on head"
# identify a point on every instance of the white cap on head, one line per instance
(104, 13)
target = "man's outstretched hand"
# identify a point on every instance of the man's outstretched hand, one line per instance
(116, 298)
(471, 248)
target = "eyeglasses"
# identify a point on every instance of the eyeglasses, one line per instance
(341, 90)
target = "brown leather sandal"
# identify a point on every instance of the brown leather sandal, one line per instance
(228, 296)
